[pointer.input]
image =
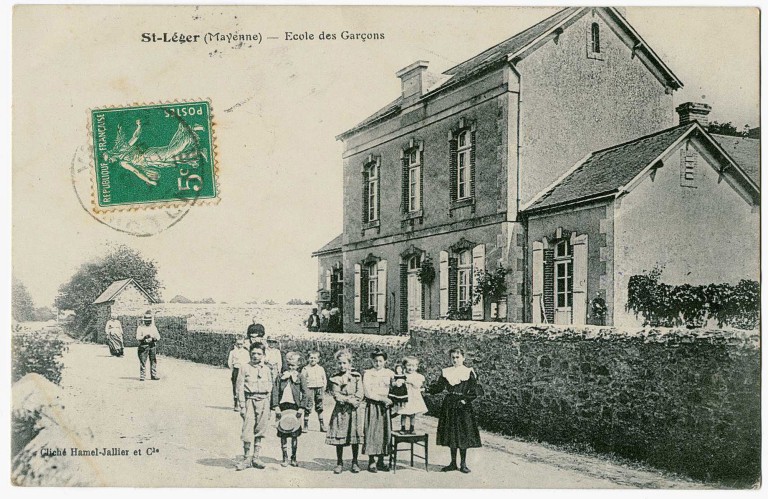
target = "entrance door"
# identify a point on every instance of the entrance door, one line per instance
(414, 289)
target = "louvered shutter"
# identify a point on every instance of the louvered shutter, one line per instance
(443, 283)
(328, 279)
(537, 282)
(478, 264)
(366, 196)
(453, 295)
(405, 186)
(454, 167)
(472, 169)
(580, 262)
(381, 295)
(357, 292)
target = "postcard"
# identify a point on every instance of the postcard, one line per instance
(386, 247)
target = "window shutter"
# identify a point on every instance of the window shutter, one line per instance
(454, 167)
(443, 283)
(381, 295)
(549, 285)
(364, 273)
(406, 184)
(537, 282)
(478, 264)
(453, 294)
(357, 292)
(328, 279)
(580, 255)
(472, 167)
(404, 296)
(365, 196)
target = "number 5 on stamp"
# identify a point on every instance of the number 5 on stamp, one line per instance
(153, 155)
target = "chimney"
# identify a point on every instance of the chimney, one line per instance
(694, 111)
(412, 80)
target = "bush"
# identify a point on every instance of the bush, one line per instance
(662, 305)
(37, 352)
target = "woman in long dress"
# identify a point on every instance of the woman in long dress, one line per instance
(457, 427)
(378, 419)
(114, 332)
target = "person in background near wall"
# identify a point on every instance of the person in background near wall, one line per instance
(255, 331)
(313, 321)
(273, 357)
(147, 336)
(325, 317)
(378, 422)
(114, 332)
(457, 427)
(334, 320)
(238, 357)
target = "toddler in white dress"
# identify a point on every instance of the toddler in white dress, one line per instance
(415, 404)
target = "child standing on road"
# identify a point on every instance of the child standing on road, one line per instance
(254, 390)
(346, 425)
(238, 357)
(314, 377)
(290, 397)
(415, 404)
(378, 422)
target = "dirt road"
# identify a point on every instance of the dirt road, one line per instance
(187, 434)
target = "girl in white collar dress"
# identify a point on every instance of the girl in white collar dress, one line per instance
(457, 426)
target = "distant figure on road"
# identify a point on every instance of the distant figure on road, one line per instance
(114, 331)
(255, 332)
(313, 321)
(147, 336)
(457, 427)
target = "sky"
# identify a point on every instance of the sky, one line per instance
(278, 107)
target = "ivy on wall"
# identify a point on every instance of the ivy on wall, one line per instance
(664, 305)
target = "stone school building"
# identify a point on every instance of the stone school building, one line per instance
(556, 154)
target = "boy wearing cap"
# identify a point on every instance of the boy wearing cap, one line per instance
(289, 395)
(254, 391)
(316, 381)
(147, 336)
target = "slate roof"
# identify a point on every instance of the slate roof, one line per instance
(606, 171)
(115, 288)
(745, 152)
(332, 246)
(497, 55)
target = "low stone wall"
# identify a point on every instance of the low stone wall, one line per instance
(682, 400)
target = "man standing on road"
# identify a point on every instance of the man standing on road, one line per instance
(147, 336)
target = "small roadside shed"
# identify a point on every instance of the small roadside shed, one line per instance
(123, 297)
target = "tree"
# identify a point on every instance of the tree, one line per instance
(92, 278)
(23, 309)
(723, 129)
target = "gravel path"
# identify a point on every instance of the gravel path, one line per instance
(187, 417)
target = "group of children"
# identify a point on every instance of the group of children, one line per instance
(365, 404)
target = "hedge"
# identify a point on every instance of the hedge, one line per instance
(37, 352)
(683, 400)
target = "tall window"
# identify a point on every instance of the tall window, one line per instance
(414, 263)
(463, 169)
(563, 275)
(464, 279)
(414, 180)
(595, 37)
(373, 286)
(373, 192)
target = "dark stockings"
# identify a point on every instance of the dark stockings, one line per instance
(463, 453)
(340, 454)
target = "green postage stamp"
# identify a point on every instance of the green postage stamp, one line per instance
(155, 155)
